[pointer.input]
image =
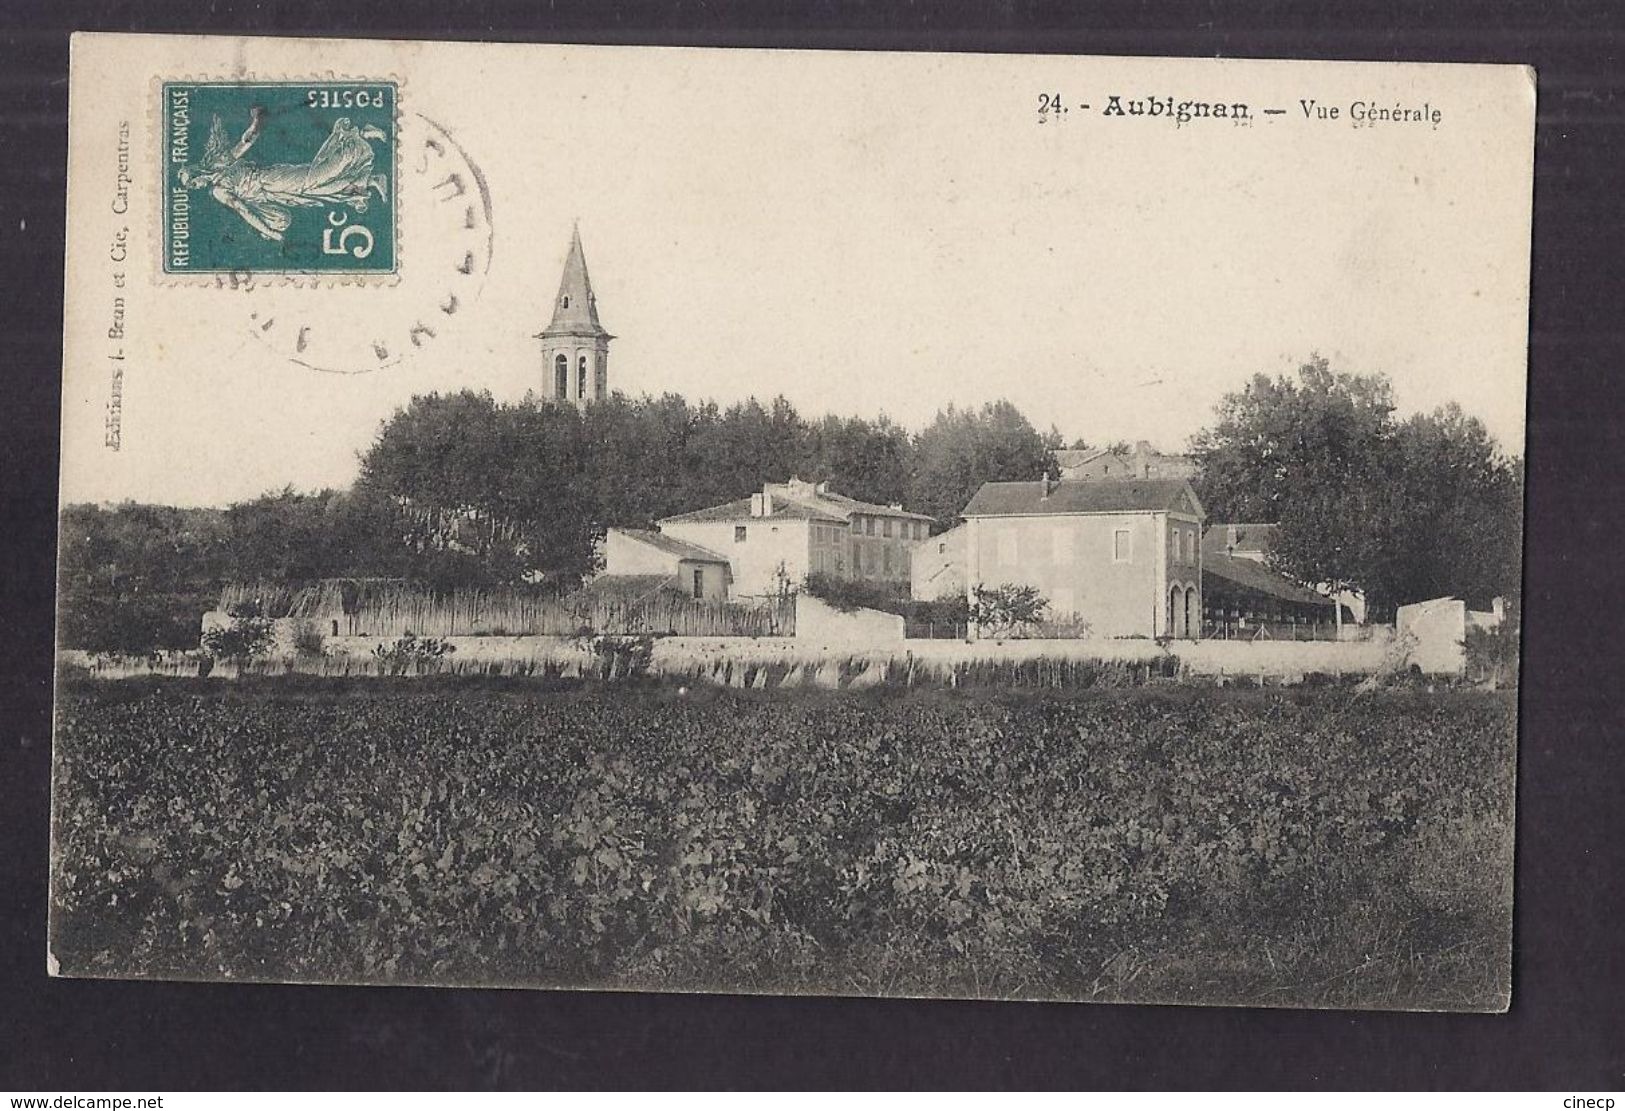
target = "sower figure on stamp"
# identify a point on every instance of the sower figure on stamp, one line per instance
(341, 173)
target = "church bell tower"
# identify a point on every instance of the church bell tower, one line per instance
(575, 346)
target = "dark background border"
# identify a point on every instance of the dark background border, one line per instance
(1564, 1031)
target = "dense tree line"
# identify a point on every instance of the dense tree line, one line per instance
(1402, 509)
(461, 490)
(530, 488)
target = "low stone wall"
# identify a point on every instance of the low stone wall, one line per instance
(538, 648)
(1206, 657)
(822, 653)
(1437, 631)
(822, 625)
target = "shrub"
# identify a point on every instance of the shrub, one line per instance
(622, 657)
(1492, 654)
(248, 635)
(1007, 609)
(848, 594)
(414, 654)
(308, 640)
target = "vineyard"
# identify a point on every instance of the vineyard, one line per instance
(1308, 846)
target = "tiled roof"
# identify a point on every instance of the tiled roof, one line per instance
(1249, 538)
(783, 509)
(673, 546)
(1068, 457)
(841, 505)
(1029, 499)
(1254, 576)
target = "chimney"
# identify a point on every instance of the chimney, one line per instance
(761, 505)
(1045, 486)
(822, 488)
(1230, 539)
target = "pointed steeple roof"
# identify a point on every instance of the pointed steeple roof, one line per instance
(575, 309)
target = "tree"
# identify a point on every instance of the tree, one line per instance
(135, 578)
(487, 493)
(1308, 454)
(1007, 608)
(867, 460)
(963, 448)
(1403, 511)
(1453, 515)
(248, 635)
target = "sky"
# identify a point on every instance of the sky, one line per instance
(864, 234)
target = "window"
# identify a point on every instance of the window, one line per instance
(739, 534)
(942, 549)
(565, 303)
(601, 378)
(1122, 546)
(869, 526)
(1007, 546)
(581, 379)
(885, 528)
(561, 377)
(1061, 544)
(699, 582)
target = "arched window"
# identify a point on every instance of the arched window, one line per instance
(561, 377)
(600, 378)
(581, 379)
(566, 302)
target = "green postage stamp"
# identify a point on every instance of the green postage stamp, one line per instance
(284, 177)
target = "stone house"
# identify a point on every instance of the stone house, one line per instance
(694, 571)
(937, 566)
(1140, 461)
(784, 532)
(1122, 556)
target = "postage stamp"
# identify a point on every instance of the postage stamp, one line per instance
(291, 177)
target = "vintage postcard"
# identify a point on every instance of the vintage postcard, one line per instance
(796, 522)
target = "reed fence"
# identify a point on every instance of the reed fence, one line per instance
(361, 608)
